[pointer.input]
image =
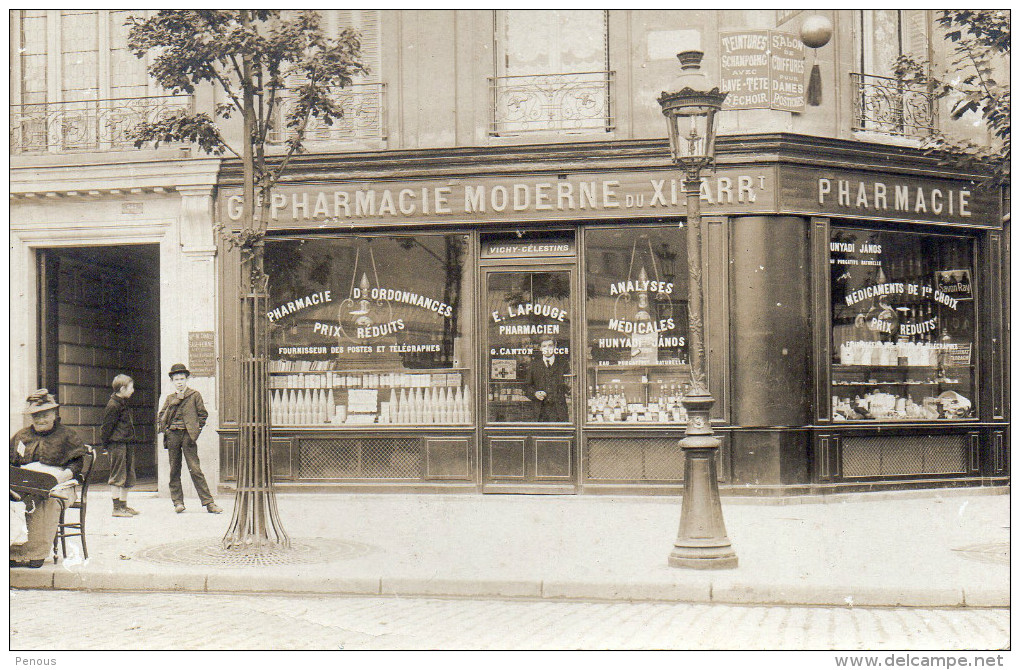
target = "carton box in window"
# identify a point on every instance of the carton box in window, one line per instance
(362, 401)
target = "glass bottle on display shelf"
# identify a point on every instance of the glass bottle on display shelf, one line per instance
(943, 357)
(644, 345)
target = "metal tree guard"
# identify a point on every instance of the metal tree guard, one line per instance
(256, 524)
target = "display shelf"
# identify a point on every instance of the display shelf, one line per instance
(895, 394)
(859, 368)
(366, 397)
(637, 394)
(904, 383)
(508, 402)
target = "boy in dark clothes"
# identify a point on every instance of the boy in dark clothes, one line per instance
(181, 421)
(117, 431)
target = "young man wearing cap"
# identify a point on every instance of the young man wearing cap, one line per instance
(116, 434)
(52, 444)
(181, 421)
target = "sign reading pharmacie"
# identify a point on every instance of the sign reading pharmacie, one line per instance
(874, 195)
(511, 198)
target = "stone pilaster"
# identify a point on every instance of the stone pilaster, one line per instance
(188, 303)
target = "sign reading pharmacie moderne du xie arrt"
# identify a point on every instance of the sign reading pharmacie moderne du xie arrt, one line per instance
(768, 189)
(510, 198)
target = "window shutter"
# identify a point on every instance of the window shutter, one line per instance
(128, 76)
(915, 33)
(79, 47)
(881, 38)
(365, 21)
(33, 56)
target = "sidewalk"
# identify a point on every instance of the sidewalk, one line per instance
(878, 549)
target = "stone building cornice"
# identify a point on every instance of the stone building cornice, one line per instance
(112, 179)
(622, 155)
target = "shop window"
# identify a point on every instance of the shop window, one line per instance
(636, 293)
(370, 330)
(883, 103)
(903, 326)
(552, 70)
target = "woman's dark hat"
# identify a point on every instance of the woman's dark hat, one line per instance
(40, 401)
(177, 368)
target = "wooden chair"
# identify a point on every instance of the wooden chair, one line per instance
(67, 529)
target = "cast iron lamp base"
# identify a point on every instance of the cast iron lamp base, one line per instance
(701, 542)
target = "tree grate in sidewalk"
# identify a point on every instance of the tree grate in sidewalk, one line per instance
(209, 552)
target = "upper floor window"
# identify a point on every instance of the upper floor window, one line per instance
(75, 85)
(364, 101)
(552, 72)
(882, 102)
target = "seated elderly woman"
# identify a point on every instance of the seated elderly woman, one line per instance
(61, 452)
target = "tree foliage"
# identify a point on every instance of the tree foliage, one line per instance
(980, 54)
(280, 62)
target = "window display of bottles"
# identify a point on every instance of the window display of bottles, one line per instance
(609, 403)
(301, 407)
(427, 406)
(338, 398)
(893, 407)
(508, 402)
(647, 394)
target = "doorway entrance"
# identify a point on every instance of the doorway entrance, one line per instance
(99, 317)
(529, 434)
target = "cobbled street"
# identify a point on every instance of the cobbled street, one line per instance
(174, 621)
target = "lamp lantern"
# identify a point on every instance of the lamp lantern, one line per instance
(690, 108)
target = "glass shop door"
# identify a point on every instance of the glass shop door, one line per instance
(529, 428)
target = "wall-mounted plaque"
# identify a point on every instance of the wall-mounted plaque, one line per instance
(202, 353)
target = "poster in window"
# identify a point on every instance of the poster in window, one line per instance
(955, 283)
(504, 369)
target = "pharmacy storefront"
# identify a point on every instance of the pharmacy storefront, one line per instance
(527, 333)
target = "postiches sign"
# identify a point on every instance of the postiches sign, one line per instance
(762, 69)
(878, 196)
(629, 194)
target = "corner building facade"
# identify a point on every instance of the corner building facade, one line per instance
(854, 288)
(497, 215)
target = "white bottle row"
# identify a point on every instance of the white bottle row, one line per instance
(301, 408)
(427, 406)
(365, 380)
(416, 406)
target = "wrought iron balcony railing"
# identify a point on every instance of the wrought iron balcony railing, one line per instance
(573, 102)
(363, 119)
(886, 105)
(86, 125)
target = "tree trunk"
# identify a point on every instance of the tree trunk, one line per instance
(255, 524)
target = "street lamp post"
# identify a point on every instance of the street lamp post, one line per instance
(690, 110)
